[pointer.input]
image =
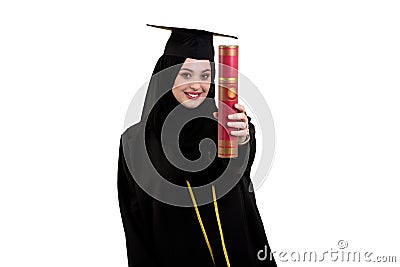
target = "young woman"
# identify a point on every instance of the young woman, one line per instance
(174, 208)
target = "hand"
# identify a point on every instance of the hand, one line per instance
(238, 121)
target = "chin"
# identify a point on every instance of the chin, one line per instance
(193, 104)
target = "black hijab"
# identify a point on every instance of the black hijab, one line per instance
(202, 126)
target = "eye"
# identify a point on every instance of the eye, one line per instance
(205, 76)
(186, 75)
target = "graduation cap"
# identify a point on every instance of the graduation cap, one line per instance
(190, 43)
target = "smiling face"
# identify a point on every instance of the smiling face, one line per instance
(192, 82)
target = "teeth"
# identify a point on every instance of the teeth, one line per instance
(193, 95)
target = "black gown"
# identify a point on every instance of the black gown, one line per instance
(160, 234)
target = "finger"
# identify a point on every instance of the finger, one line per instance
(238, 116)
(215, 114)
(240, 132)
(237, 124)
(240, 107)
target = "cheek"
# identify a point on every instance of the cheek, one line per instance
(179, 89)
(205, 86)
(178, 92)
(175, 92)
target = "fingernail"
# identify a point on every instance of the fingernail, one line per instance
(229, 123)
(230, 117)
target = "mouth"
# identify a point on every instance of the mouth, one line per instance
(193, 95)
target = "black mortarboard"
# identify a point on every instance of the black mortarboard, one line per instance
(190, 43)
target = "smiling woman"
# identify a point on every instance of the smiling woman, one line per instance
(192, 84)
(174, 212)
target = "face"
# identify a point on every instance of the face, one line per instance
(192, 82)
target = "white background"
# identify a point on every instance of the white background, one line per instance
(329, 71)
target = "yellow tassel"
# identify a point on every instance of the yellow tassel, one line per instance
(202, 226)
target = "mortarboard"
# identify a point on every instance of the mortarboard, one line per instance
(190, 43)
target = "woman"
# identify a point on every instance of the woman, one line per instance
(172, 149)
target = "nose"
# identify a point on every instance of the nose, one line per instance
(195, 86)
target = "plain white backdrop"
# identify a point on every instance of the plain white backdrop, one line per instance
(329, 71)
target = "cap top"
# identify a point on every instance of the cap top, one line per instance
(191, 30)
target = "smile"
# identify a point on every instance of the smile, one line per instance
(193, 95)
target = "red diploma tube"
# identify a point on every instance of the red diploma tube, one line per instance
(227, 98)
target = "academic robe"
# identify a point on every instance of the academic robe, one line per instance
(158, 234)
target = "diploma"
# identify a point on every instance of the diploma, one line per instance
(227, 98)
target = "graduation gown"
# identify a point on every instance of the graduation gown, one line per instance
(160, 234)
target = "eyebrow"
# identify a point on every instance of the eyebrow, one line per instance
(193, 71)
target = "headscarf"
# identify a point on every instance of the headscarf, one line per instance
(160, 88)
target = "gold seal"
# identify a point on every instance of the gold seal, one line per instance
(231, 92)
(226, 94)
